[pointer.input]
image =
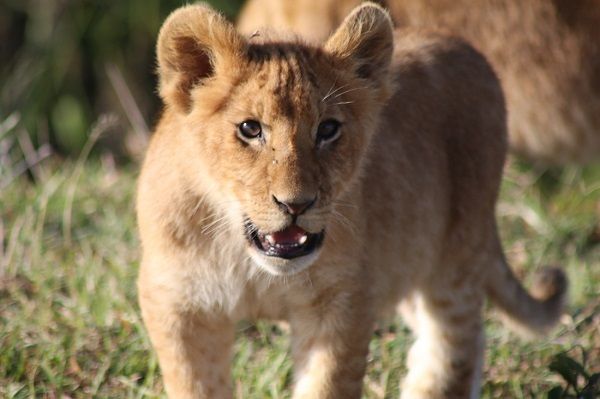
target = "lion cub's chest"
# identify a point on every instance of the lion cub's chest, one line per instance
(232, 285)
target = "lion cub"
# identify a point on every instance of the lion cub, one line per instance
(322, 186)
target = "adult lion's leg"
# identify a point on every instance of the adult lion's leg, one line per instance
(193, 349)
(330, 346)
(446, 359)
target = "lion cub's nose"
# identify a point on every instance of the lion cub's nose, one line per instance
(294, 208)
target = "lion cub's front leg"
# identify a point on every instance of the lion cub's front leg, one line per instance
(330, 349)
(193, 349)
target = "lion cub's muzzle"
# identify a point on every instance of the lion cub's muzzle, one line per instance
(289, 243)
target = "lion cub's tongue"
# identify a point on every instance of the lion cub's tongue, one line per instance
(292, 235)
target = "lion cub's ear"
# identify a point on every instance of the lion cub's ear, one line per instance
(194, 43)
(365, 40)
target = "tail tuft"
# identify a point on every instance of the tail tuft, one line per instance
(549, 285)
(528, 313)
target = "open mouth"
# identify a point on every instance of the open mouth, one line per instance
(291, 242)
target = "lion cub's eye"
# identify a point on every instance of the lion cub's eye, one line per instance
(248, 130)
(328, 130)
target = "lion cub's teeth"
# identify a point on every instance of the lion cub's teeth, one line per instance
(302, 239)
(270, 239)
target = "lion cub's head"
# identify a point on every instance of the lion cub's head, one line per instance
(274, 131)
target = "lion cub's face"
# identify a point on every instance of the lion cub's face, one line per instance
(277, 130)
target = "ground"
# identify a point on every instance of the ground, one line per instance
(70, 326)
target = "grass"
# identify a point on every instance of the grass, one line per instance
(70, 325)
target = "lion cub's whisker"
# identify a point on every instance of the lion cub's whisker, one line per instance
(349, 91)
(331, 93)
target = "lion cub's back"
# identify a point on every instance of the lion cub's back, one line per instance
(448, 104)
(440, 149)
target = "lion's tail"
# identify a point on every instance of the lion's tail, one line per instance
(528, 313)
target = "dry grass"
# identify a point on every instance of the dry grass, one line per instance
(70, 326)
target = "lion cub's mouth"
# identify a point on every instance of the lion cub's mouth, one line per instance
(291, 242)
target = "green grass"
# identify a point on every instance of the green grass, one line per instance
(70, 325)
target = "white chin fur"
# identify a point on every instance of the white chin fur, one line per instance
(283, 267)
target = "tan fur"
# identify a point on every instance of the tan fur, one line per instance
(406, 197)
(545, 52)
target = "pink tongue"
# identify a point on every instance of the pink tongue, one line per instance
(291, 235)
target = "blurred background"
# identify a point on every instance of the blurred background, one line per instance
(66, 62)
(77, 102)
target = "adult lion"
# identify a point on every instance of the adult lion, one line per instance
(546, 53)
